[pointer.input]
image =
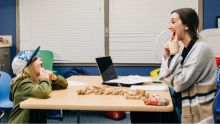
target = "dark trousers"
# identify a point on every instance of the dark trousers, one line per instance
(154, 117)
(38, 116)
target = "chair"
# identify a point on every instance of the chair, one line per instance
(211, 37)
(216, 107)
(5, 102)
(160, 40)
(155, 72)
(47, 58)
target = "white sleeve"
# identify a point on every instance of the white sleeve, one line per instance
(181, 77)
(167, 68)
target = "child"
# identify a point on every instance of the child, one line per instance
(31, 81)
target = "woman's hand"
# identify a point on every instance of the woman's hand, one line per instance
(166, 50)
(171, 47)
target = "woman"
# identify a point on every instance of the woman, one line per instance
(31, 81)
(189, 69)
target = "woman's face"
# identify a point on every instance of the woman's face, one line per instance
(37, 65)
(176, 26)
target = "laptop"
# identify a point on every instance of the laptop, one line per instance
(110, 77)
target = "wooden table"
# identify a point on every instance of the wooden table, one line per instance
(68, 99)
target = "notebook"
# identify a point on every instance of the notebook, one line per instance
(110, 77)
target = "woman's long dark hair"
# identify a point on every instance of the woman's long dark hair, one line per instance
(189, 18)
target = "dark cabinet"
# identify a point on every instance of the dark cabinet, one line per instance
(5, 64)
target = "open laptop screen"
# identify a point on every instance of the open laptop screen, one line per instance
(106, 68)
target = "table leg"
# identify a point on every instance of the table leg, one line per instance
(78, 117)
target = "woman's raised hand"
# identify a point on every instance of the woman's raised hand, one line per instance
(166, 50)
(171, 47)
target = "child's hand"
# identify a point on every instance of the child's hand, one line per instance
(52, 76)
(43, 74)
(49, 72)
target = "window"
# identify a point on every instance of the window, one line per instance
(75, 29)
(72, 29)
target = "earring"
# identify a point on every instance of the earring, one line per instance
(186, 28)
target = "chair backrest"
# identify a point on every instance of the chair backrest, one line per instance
(47, 58)
(212, 38)
(5, 80)
(216, 107)
(160, 40)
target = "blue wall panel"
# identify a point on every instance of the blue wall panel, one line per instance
(121, 70)
(8, 21)
(211, 9)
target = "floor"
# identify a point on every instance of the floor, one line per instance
(85, 117)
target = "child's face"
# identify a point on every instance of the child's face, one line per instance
(38, 65)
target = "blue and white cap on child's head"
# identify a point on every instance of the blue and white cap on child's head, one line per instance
(22, 60)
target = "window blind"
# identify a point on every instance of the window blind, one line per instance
(72, 29)
(135, 24)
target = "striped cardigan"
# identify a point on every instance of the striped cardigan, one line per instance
(195, 79)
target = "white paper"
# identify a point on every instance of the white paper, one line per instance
(149, 87)
(75, 83)
(131, 79)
